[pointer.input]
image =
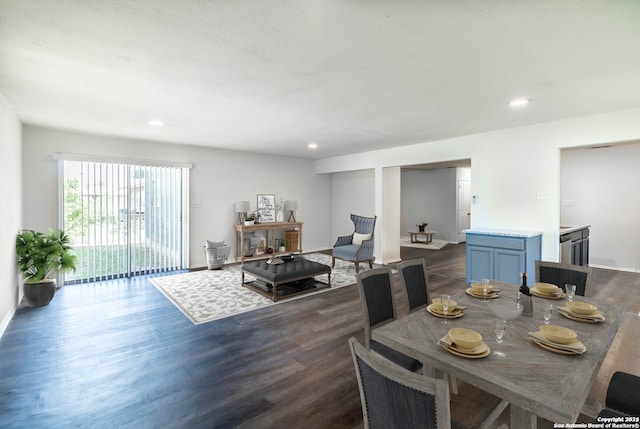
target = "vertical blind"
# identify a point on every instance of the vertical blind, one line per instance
(124, 219)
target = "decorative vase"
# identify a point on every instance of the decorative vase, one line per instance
(40, 293)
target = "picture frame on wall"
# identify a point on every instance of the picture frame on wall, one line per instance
(267, 207)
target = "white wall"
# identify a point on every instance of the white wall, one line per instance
(218, 179)
(509, 168)
(430, 196)
(10, 210)
(351, 193)
(601, 186)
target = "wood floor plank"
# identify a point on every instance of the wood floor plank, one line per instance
(119, 354)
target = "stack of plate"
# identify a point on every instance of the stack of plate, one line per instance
(453, 312)
(475, 290)
(582, 312)
(547, 290)
(465, 343)
(558, 339)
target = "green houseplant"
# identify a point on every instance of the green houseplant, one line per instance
(39, 257)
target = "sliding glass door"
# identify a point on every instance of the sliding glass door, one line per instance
(124, 219)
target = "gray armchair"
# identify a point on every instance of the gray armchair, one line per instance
(357, 247)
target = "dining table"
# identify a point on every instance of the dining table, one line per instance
(535, 381)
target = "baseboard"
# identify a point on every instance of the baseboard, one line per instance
(7, 320)
(606, 267)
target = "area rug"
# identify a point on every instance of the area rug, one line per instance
(207, 295)
(434, 245)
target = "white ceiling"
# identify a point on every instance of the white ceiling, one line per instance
(272, 76)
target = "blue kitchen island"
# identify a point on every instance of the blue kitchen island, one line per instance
(502, 254)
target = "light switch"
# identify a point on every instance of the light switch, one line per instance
(542, 195)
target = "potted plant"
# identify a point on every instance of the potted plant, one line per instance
(39, 257)
(282, 245)
(421, 226)
(249, 220)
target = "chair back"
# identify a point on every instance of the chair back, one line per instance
(415, 283)
(377, 300)
(562, 274)
(364, 225)
(622, 393)
(393, 397)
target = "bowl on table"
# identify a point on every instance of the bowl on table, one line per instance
(505, 308)
(547, 288)
(438, 305)
(477, 288)
(579, 307)
(558, 334)
(465, 338)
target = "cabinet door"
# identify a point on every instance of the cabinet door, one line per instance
(479, 263)
(508, 265)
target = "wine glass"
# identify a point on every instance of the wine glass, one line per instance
(571, 291)
(485, 289)
(444, 301)
(498, 329)
(547, 309)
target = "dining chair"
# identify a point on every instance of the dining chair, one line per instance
(378, 309)
(393, 397)
(415, 290)
(622, 396)
(560, 274)
(415, 283)
(357, 247)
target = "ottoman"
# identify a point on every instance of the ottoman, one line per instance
(272, 276)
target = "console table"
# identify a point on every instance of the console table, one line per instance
(270, 229)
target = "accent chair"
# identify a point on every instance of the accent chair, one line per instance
(357, 247)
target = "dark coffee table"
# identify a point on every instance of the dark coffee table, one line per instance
(272, 276)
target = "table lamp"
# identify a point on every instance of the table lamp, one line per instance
(242, 207)
(292, 206)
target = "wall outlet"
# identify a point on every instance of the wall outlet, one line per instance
(542, 195)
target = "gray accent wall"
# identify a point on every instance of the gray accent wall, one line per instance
(430, 196)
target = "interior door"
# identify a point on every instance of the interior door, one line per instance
(464, 208)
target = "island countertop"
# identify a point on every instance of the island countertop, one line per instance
(503, 232)
(567, 229)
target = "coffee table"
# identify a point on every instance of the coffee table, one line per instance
(273, 276)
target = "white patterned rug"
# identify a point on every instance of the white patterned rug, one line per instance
(207, 295)
(434, 245)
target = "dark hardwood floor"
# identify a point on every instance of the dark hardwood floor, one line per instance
(119, 354)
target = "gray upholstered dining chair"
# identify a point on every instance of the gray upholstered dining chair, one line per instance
(376, 297)
(415, 291)
(357, 247)
(393, 397)
(622, 396)
(562, 274)
(415, 283)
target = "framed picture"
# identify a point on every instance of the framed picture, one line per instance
(267, 207)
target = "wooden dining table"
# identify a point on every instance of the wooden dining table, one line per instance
(535, 381)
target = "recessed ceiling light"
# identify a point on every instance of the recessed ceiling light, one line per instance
(312, 146)
(519, 102)
(156, 123)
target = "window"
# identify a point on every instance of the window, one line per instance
(124, 219)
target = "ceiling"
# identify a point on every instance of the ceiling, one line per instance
(351, 76)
